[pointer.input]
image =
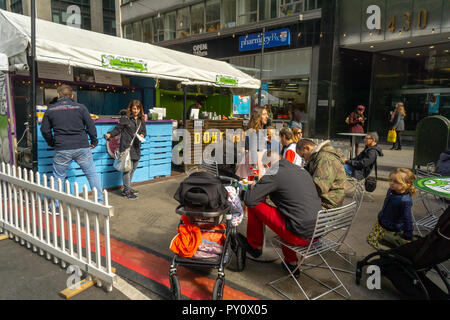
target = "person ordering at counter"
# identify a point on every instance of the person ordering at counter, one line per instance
(131, 126)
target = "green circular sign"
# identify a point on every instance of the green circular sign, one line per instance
(439, 186)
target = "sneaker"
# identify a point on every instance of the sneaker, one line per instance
(291, 268)
(255, 253)
(129, 195)
(134, 191)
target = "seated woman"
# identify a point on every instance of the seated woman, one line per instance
(288, 152)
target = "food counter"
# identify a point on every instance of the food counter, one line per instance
(156, 156)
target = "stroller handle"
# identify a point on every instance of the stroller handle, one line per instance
(228, 179)
(207, 214)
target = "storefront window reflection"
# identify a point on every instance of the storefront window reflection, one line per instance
(229, 13)
(248, 11)
(212, 15)
(3, 4)
(158, 29)
(183, 22)
(147, 34)
(419, 77)
(198, 18)
(170, 25)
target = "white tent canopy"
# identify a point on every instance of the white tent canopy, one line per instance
(60, 44)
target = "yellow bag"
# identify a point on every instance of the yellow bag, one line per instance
(392, 136)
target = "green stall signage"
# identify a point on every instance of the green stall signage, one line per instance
(123, 63)
(226, 81)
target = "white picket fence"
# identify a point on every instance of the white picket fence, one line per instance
(28, 214)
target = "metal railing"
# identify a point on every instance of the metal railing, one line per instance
(56, 222)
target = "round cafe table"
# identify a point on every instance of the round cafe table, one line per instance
(438, 186)
(353, 135)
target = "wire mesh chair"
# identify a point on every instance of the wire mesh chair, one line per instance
(432, 204)
(331, 228)
(358, 196)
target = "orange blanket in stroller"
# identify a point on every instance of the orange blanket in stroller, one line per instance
(189, 238)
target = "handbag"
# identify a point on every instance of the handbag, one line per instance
(370, 184)
(392, 136)
(122, 161)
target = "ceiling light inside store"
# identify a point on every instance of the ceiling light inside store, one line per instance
(402, 51)
(408, 42)
(372, 46)
(345, 35)
(417, 54)
(446, 51)
(431, 47)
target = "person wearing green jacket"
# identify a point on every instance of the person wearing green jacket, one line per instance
(326, 167)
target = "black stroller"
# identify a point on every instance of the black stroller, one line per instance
(407, 266)
(196, 194)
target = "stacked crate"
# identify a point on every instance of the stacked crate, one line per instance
(156, 156)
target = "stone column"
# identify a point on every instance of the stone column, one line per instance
(97, 16)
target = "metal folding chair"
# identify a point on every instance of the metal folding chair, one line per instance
(432, 204)
(358, 196)
(331, 228)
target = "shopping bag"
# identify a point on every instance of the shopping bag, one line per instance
(392, 136)
(122, 161)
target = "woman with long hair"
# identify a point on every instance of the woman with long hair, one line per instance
(132, 129)
(258, 121)
(398, 123)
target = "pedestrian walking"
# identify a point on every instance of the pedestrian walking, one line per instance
(398, 124)
(132, 129)
(66, 126)
(356, 122)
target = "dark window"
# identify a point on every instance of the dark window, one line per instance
(3, 4)
(109, 17)
(16, 6)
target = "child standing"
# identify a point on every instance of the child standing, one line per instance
(394, 226)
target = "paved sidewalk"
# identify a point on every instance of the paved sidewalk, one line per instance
(25, 275)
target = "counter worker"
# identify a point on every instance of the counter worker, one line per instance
(66, 126)
(196, 105)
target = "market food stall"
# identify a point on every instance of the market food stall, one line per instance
(105, 72)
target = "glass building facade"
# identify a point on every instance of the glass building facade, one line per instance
(211, 16)
(395, 51)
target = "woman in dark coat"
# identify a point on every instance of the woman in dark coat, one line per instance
(356, 122)
(131, 124)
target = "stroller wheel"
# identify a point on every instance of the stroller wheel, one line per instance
(240, 258)
(218, 289)
(175, 289)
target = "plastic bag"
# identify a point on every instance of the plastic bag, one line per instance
(392, 136)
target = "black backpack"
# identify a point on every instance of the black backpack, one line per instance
(202, 191)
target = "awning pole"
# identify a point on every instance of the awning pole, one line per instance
(33, 84)
(261, 66)
(184, 106)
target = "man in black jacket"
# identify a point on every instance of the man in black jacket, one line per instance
(361, 166)
(64, 127)
(292, 190)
